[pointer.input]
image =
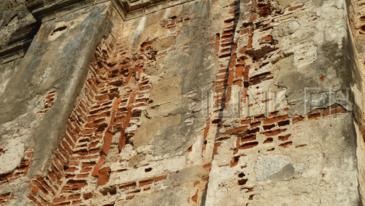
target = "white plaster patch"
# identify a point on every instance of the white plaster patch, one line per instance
(232, 110)
(221, 187)
(131, 128)
(140, 28)
(158, 168)
(302, 35)
(127, 152)
(304, 54)
(11, 158)
(333, 27)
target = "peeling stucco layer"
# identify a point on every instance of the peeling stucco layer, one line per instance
(184, 103)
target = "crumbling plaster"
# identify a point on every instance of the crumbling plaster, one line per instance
(165, 103)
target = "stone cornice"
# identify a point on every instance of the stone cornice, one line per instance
(25, 22)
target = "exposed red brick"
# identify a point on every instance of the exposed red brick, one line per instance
(248, 145)
(286, 144)
(301, 145)
(255, 124)
(207, 166)
(253, 130)
(276, 119)
(128, 185)
(273, 132)
(267, 127)
(87, 196)
(284, 137)
(337, 109)
(48, 101)
(107, 142)
(298, 119)
(283, 123)
(159, 178)
(216, 146)
(134, 191)
(268, 140)
(245, 121)
(194, 198)
(248, 138)
(267, 39)
(314, 115)
(145, 182)
(98, 114)
(236, 130)
(111, 190)
(100, 163)
(103, 176)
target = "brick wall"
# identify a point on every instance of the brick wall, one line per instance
(98, 160)
(110, 104)
(257, 130)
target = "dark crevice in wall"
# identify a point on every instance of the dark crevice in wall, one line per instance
(353, 78)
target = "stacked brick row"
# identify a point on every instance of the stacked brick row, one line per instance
(250, 68)
(172, 21)
(129, 190)
(252, 57)
(44, 189)
(262, 135)
(48, 101)
(105, 116)
(272, 127)
(226, 53)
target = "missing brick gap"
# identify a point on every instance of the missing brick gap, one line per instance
(58, 29)
(362, 28)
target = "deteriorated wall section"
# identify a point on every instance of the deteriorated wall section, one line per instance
(183, 103)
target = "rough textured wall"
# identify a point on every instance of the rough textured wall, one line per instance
(287, 156)
(181, 103)
(356, 32)
(39, 92)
